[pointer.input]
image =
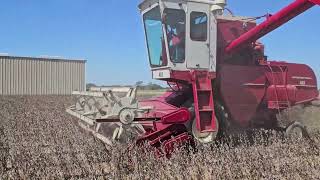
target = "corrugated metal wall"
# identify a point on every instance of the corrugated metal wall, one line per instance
(40, 76)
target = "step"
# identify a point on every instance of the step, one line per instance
(204, 90)
(278, 104)
(206, 110)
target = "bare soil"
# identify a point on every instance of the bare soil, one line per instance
(38, 140)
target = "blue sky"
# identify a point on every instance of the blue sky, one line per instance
(109, 34)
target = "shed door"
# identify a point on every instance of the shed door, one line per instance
(197, 35)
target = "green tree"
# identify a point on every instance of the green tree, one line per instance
(90, 85)
(139, 83)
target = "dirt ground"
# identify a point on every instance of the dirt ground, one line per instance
(38, 140)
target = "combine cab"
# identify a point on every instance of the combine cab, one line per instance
(220, 78)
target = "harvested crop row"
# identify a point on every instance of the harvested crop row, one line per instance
(39, 140)
(272, 158)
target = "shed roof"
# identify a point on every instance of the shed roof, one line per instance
(44, 58)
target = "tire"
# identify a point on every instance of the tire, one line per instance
(223, 118)
(297, 130)
(204, 138)
(221, 121)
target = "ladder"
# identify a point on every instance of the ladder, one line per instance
(280, 104)
(203, 101)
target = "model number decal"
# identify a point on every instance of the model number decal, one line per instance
(302, 82)
(160, 74)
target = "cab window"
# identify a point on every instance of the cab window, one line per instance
(155, 40)
(175, 23)
(198, 26)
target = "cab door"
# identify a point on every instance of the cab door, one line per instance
(198, 36)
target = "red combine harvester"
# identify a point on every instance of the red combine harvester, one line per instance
(217, 70)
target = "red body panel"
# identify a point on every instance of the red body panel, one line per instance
(159, 107)
(229, 30)
(242, 89)
(258, 88)
(182, 115)
(304, 79)
(315, 1)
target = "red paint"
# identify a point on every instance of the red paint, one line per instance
(180, 116)
(203, 101)
(184, 77)
(315, 1)
(170, 145)
(277, 85)
(165, 140)
(303, 78)
(242, 89)
(229, 30)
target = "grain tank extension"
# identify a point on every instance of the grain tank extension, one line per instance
(220, 77)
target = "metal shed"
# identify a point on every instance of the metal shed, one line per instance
(40, 76)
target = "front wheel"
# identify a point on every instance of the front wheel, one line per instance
(206, 137)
